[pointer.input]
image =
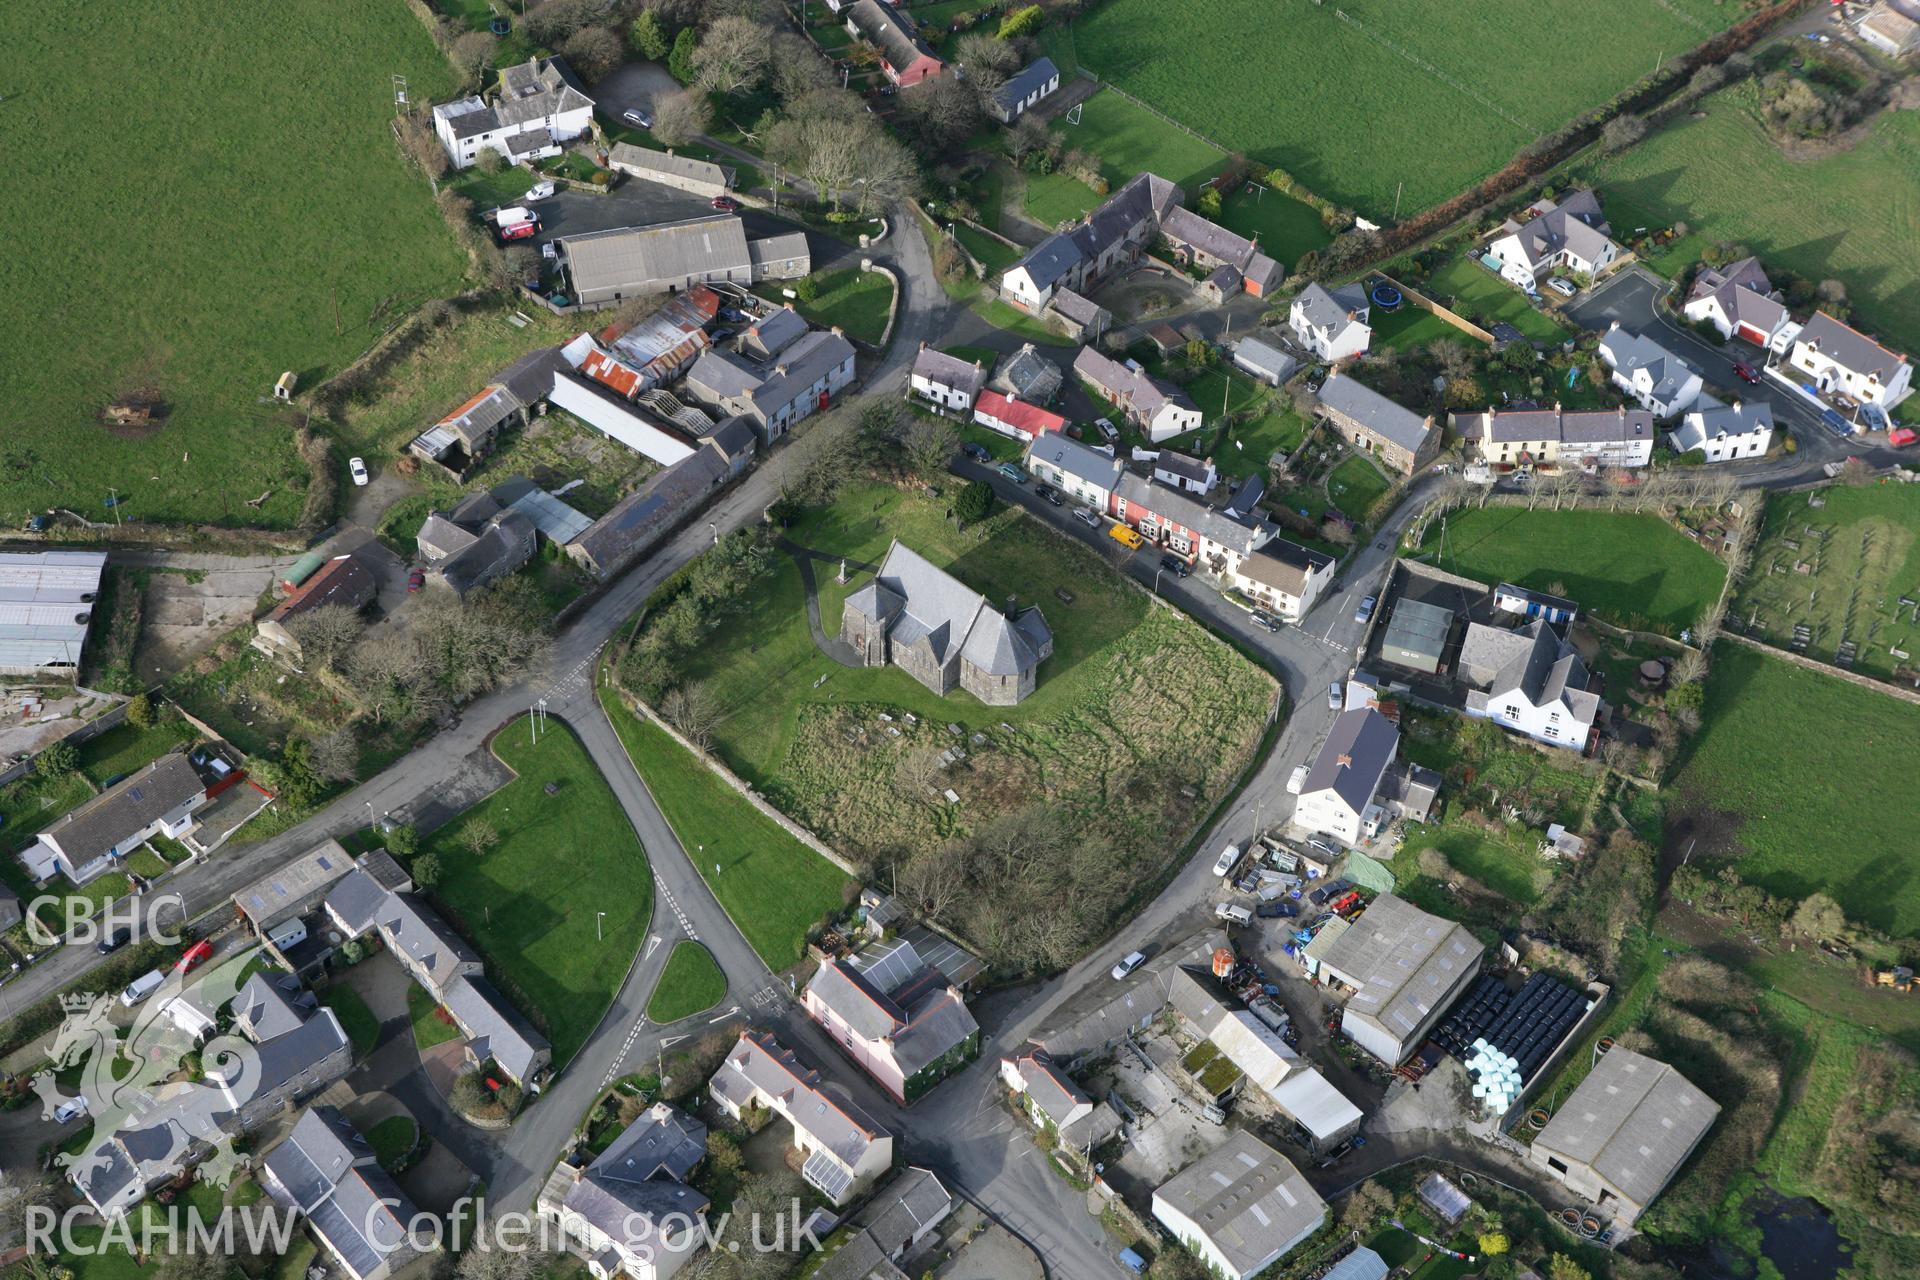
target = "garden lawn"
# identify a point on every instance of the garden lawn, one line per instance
(1631, 569)
(1284, 226)
(1412, 326)
(355, 1018)
(1511, 868)
(691, 984)
(994, 255)
(1245, 450)
(559, 906)
(1864, 550)
(430, 1025)
(198, 249)
(1815, 772)
(1853, 216)
(1365, 103)
(856, 301)
(127, 747)
(774, 887)
(1355, 485)
(1054, 198)
(1484, 298)
(1129, 140)
(392, 1138)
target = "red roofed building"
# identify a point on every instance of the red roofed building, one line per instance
(344, 580)
(1024, 422)
(613, 375)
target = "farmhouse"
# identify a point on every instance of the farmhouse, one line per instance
(899, 1018)
(1265, 362)
(1186, 526)
(1405, 968)
(1552, 437)
(1027, 375)
(1075, 469)
(931, 625)
(1890, 31)
(946, 381)
(801, 381)
(1840, 359)
(1019, 419)
(1111, 236)
(631, 1210)
(1037, 80)
(1339, 792)
(904, 56)
(900, 1216)
(1331, 324)
(1624, 1133)
(326, 1172)
(1160, 410)
(1740, 302)
(844, 1151)
(1240, 1207)
(1723, 432)
(157, 800)
(537, 107)
(477, 542)
(1530, 681)
(1657, 380)
(1572, 234)
(46, 604)
(668, 257)
(1284, 578)
(344, 581)
(682, 173)
(1237, 263)
(1401, 439)
(656, 508)
(1054, 1102)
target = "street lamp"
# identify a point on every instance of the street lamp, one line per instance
(598, 916)
(1156, 578)
(714, 529)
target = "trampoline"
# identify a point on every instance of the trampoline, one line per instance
(1386, 297)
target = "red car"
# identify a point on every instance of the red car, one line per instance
(197, 954)
(1901, 436)
(416, 580)
(726, 204)
(1746, 371)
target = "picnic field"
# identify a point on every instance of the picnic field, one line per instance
(1635, 570)
(1851, 216)
(194, 233)
(1357, 99)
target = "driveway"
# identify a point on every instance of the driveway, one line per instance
(639, 86)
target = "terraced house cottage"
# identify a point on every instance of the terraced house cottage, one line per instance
(900, 1019)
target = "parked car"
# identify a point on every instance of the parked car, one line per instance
(416, 581)
(1132, 1261)
(510, 232)
(1233, 913)
(726, 204)
(1133, 960)
(1334, 699)
(1562, 287)
(540, 190)
(114, 939)
(1334, 1156)
(72, 1109)
(1012, 472)
(196, 955)
(1051, 494)
(1224, 863)
(638, 118)
(1276, 910)
(1745, 371)
(1176, 566)
(1128, 538)
(1266, 621)
(1088, 517)
(1215, 1113)
(1899, 437)
(978, 452)
(1365, 610)
(142, 987)
(1106, 429)
(357, 468)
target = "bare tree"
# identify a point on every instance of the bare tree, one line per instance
(419, 144)
(939, 113)
(326, 634)
(989, 61)
(682, 117)
(1855, 472)
(23, 1190)
(796, 69)
(692, 709)
(471, 55)
(594, 52)
(934, 880)
(732, 55)
(486, 1262)
(885, 170)
(335, 756)
(386, 672)
(1028, 134)
(925, 445)
(830, 154)
(478, 836)
(551, 23)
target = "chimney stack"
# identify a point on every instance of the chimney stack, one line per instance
(1343, 761)
(1011, 611)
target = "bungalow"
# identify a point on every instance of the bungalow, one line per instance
(1078, 258)
(1723, 432)
(1187, 527)
(328, 1173)
(1530, 681)
(682, 173)
(1054, 1102)
(899, 1019)
(1572, 234)
(1331, 323)
(1839, 358)
(1024, 90)
(344, 581)
(904, 56)
(843, 1151)
(1160, 410)
(1659, 381)
(1264, 361)
(1284, 578)
(1194, 475)
(1075, 469)
(1740, 302)
(631, 1212)
(1010, 417)
(1399, 438)
(946, 381)
(158, 800)
(536, 108)
(803, 380)
(1553, 437)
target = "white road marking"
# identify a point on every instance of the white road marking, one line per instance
(666, 895)
(653, 943)
(723, 1017)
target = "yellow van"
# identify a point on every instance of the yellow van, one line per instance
(1126, 537)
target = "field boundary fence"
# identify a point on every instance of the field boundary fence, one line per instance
(1825, 668)
(1451, 82)
(1428, 305)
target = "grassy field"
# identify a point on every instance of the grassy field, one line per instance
(691, 984)
(856, 301)
(1863, 551)
(569, 880)
(1109, 713)
(1814, 772)
(1285, 227)
(200, 248)
(774, 887)
(1129, 140)
(1244, 450)
(1627, 568)
(1853, 216)
(1389, 93)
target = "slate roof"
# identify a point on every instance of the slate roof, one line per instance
(663, 1143)
(1269, 359)
(1534, 660)
(1406, 961)
(263, 1011)
(1248, 1199)
(1284, 565)
(365, 1220)
(1631, 353)
(1575, 224)
(1581, 426)
(774, 334)
(1711, 418)
(902, 1209)
(944, 370)
(1632, 1120)
(1327, 309)
(417, 930)
(1849, 348)
(1183, 508)
(1183, 466)
(1058, 450)
(315, 1156)
(1383, 417)
(537, 88)
(1185, 227)
(950, 616)
(1051, 1089)
(898, 39)
(1366, 741)
(1742, 291)
(1145, 394)
(356, 900)
(343, 580)
(1051, 259)
(1746, 274)
(645, 159)
(662, 501)
(804, 363)
(760, 1062)
(1145, 198)
(494, 1028)
(126, 808)
(1030, 79)
(1075, 307)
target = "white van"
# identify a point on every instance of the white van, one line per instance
(142, 987)
(1233, 914)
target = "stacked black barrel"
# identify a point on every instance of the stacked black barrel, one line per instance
(1525, 1025)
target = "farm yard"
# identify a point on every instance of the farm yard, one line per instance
(1851, 216)
(1840, 570)
(1635, 570)
(1415, 104)
(253, 231)
(1811, 774)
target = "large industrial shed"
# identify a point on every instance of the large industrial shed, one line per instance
(46, 603)
(1625, 1132)
(1406, 968)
